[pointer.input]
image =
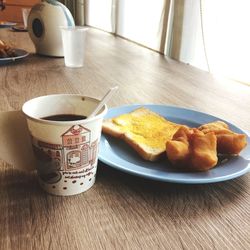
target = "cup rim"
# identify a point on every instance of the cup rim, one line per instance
(101, 114)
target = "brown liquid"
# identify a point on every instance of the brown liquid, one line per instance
(64, 117)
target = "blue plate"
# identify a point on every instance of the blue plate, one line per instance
(119, 155)
(20, 54)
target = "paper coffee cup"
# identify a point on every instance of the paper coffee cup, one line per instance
(66, 151)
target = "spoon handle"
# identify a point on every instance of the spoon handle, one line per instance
(104, 100)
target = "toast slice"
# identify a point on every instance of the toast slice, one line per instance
(145, 131)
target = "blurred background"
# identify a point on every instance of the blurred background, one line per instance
(209, 34)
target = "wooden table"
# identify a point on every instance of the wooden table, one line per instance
(122, 211)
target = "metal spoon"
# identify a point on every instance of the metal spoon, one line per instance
(104, 100)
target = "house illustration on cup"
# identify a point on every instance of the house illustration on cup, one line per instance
(75, 152)
(76, 148)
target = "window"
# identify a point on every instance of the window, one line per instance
(208, 34)
(213, 36)
(69, 141)
(138, 20)
(99, 14)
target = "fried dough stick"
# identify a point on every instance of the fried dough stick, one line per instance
(228, 142)
(6, 50)
(192, 150)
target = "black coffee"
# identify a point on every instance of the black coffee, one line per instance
(64, 117)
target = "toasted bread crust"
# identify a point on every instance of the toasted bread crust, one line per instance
(146, 152)
(109, 128)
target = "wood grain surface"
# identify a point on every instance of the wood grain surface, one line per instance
(122, 211)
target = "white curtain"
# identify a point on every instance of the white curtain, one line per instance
(214, 35)
(99, 14)
(209, 34)
(142, 21)
(227, 37)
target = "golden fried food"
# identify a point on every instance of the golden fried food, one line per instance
(6, 50)
(228, 142)
(192, 150)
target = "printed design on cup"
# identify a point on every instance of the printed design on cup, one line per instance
(76, 152)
